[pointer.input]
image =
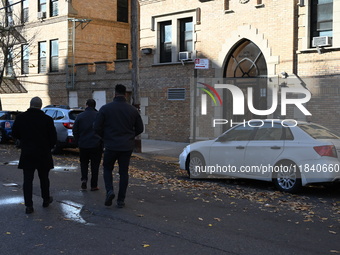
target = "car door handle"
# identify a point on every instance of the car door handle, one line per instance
(275, 147)
(240, 147)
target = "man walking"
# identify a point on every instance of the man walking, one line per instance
(90, 145)
(37, 135)
(118, 123)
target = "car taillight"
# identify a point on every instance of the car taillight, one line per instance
(68, 125)
(326, 150)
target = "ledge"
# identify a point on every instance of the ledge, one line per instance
(173, 63)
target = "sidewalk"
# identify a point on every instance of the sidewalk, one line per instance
(165, 151)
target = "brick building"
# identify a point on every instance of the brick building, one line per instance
(64, 38)
(274, 47)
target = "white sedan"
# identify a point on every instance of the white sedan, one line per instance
(288, 153)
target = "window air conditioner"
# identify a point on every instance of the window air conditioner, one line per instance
(322, 41)
(184, 55)
(41, 15)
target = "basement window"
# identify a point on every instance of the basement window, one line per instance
(176, 94)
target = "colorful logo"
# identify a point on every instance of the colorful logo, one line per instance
(211, 91)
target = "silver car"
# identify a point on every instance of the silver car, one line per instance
(63, 117)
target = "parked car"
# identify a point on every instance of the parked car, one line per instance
(63, 117)
(7, 119)
(290, 155)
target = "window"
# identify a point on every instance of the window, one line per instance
(240, 133)
(24, 59)
(42, 5)
(321, 18)
(186, 35)
(24, 11)
(54, 51)
(9, 64)
(122, 51)
(165, 41)
(123, 11)
(42, 57)
(269, 132)
(9, 11)
(54, 8)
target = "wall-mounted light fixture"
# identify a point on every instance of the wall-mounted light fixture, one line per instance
(147, 51)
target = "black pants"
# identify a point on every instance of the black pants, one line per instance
(93, 156)
(28, 184)
(123, 158)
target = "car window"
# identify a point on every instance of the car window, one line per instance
(3, 116)
(59, 115)
(50, 113)
(240, 133)
(269, 132)
(73, 114)
(318, 132)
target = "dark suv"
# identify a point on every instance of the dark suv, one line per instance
(6, 122)
(63, 117)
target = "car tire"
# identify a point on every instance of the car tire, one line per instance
(195, 160)
(287, 177)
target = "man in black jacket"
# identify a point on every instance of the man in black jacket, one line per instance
(89, 143)
(37, 136)
(118, 123)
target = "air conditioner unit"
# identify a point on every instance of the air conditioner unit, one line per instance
(322, 41)
(41, 15)
(184, 55)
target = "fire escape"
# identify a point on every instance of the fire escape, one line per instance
(9, 38)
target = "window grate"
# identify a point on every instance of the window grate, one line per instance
(176, 94)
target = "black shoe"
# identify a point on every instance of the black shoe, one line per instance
(94, 188)
(29, 209)
(109, 197)
(47, 202)
(83, 185)
(120, 204)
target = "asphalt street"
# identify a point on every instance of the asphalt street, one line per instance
(165, 213)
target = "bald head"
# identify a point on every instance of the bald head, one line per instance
(36, 103)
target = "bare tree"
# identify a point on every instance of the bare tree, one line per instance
(11, 40)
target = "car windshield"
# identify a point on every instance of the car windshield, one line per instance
(318, 132)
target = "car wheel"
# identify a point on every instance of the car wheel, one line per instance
(195, 166)
(287, 177)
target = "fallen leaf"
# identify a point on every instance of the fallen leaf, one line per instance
(146, 245)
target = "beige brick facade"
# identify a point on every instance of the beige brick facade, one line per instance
(280, 30)
(87, 32)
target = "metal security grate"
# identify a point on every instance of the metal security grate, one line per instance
(176, 94)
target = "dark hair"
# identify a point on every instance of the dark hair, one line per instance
(91, 103)
(120, 89)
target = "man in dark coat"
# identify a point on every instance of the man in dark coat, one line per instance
(118, 123)
(89, 143)
(37, 135)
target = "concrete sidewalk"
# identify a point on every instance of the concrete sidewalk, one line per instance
(165, 151)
